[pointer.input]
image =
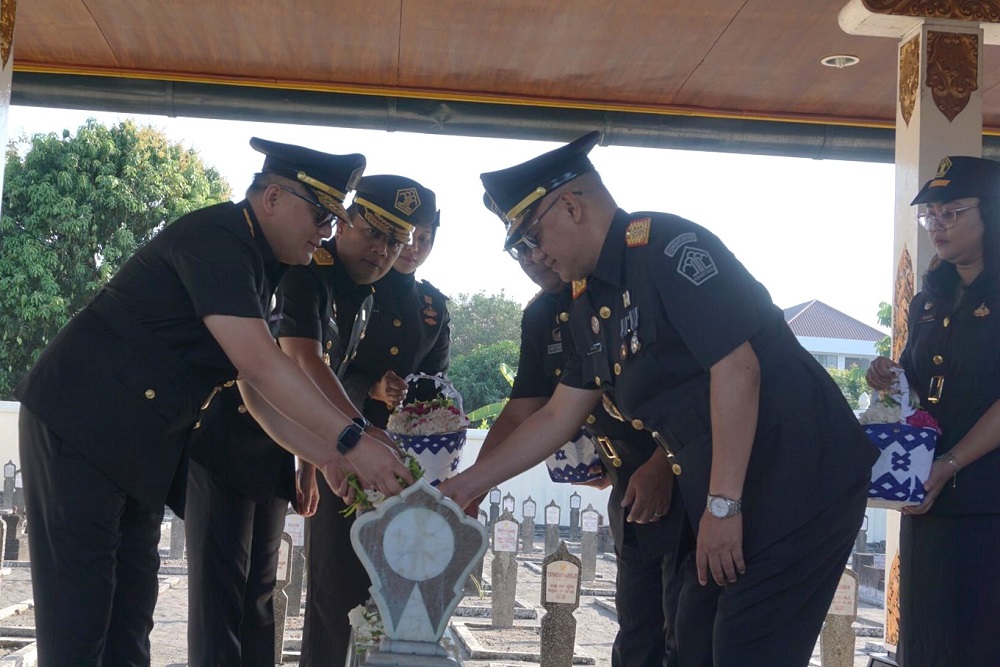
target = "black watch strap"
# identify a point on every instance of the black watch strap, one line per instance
(349, 437)
(362, 422)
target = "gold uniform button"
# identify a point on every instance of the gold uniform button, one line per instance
(229, 383)
(563, 316)
(605, 312)
(938, 360)
(326, 359)
(676, 468)
(558, 372)
(591, 419)
(329, 344)
(150, 394)
(597, 380)
(946, 322)
(618, 369)
(637, 424)
(197, 425)
(394, 350)
(397, 322)
(242, 409)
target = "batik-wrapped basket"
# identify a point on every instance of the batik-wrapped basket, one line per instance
(575, 462)
(434, 431)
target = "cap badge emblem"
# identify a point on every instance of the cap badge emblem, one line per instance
(407, 200)
(943, 166)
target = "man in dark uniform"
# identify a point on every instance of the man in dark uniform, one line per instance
(408, 332)
(109, 407)
(771, 463)
(645, 517)
(380, 222)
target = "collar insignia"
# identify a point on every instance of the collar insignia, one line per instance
(982, 311)
(322, 257)
(579, 287)
(637, 232)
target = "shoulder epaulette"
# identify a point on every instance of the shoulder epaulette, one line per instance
(433, 291)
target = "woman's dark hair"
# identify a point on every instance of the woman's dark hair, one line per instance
(941, 278)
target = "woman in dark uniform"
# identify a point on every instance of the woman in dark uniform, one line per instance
(407, 332)
(949, 544)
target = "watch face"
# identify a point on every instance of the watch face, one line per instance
(718, 507)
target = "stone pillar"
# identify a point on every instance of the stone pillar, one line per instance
(7, 11)
(552, 518)
(12, 548)
(560, 597)
(280, 600)
(574, 516)
(939, 91)
(507, 505)
(837, 638)
(494, 496)
(503, 570)
(528, 508)
(295, 526)
(9, 469)
(474, 582)
(18, 493)
(588, 543)
(176, 538)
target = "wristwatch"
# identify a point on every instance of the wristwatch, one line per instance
(362, 422)
(349, 437)
(722, 508)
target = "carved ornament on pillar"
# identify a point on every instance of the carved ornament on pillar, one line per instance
(909, 77)
(952, 70)
(902, 295)
(983, 11)
(7, 10)
(892, 604)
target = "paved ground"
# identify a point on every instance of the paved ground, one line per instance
(596, 622)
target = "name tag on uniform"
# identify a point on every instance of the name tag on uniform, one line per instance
(595, 348)
(555, 348)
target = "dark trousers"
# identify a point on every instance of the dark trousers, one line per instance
(94, 556)
(773, 614)
(232, 566)
(337, 583)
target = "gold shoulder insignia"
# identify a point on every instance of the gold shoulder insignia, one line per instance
(637, 232)
(579, 286)
(982, 311)
(322, 257)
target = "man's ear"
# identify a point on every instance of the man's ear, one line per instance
(573, 206)
(341, 226)
(269, 198)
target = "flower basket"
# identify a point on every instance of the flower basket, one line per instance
(572, 463)
(434, 431)
(906, 438)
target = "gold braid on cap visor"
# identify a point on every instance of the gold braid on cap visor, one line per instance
(329, 197)
(392, 226)
(514, 218)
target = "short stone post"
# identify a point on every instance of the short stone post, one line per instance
(605, 541)
(574, 516)
(176, 538)
(552, 517)
(508, 504)
(503, 570)
(588, 543)
(12, 547)
(494, 496)
(18, 493)
(9, 470)
(295, 526)
(280, 599)
(528, 508)
(3, 541)
(560, 597)
(837, 639)
(474, 582)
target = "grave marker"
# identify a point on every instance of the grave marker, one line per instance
(280, 600)
(503, 570)
(528, 508)
(552, 517)
(560, 597)
(295, 526)
(588, 543)
(837, 639)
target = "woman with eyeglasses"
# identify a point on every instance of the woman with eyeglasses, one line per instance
(950, 543)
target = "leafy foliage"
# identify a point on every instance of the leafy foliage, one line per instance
(884, 346)
(75, 208)
(483, 319)
(478, 376)
(852, 383)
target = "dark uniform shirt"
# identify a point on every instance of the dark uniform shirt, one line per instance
(958, 348)
(666, 301)
(321, 302)
(408, 332)
(123, 381)
(545, 345)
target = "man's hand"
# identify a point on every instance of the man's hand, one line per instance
(720, 549)
(390, 389)
(306, 491)
(600, 482)
(378, 466)
(650, 489)
(453, 488)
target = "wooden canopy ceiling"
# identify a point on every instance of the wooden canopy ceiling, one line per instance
(756, 59)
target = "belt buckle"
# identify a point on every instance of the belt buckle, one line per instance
(935, 389)
(609, 451)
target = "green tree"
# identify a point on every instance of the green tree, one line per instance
(75, 208)
(851, 381)
(884, 346)
(478, 375)
(483, 319)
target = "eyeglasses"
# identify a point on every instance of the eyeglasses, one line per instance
(376, 234)
(323, 216)
(945, 217)
(529, 240)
